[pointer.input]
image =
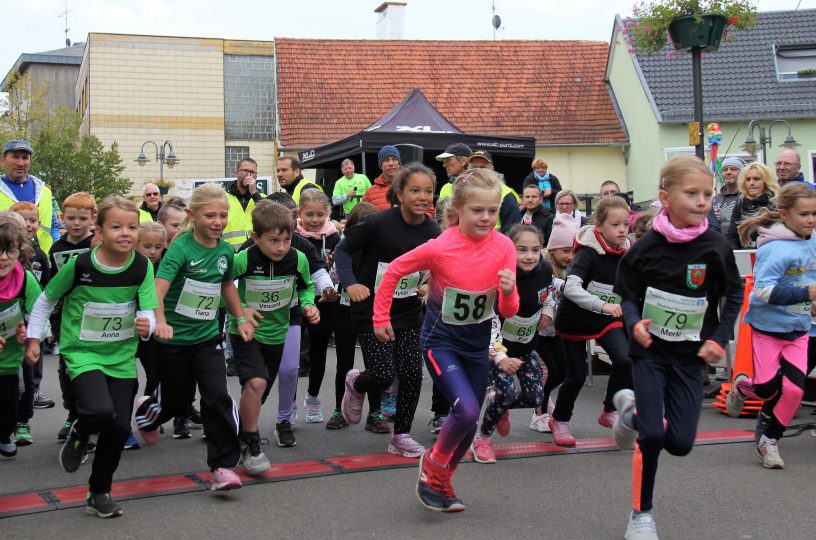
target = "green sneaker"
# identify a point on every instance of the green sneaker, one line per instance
(377, 422)
(23, 434)
(336, 421)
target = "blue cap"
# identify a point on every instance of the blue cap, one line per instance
(17, 144)
(388, 151)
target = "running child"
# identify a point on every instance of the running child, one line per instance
(193, 276)
(109, 297)
(671, 283)
(379, 240)
(519, 337)
(170, 217)
(18, 293)
(472, 266)
(590, 310)
(269, 274)
(779, 315)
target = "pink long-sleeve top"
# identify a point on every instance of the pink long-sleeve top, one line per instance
(464, 288)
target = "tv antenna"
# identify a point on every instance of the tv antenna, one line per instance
(65, 15)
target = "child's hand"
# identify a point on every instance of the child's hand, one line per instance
(164, 331)
(246, 330)
(21, 332)
(612, 309)
(253, 316)
(32, 352)
(812, 292)
(329, 295)
(641, 333)
(358, 293)
(510, 365)
(544, 322)
(422, 290)
(711, 352)
(507, 281)
(143, 326)
(312, 314)
(384, 334)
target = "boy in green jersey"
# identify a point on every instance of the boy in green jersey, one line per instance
(269, 274)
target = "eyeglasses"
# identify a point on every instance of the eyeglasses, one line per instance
(11, 253)
(152, 194)
(248, 172)
(565, 204)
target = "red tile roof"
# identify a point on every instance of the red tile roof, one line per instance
(551, 90)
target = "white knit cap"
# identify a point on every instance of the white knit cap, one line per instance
(563, 232)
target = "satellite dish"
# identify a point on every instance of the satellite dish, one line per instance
(496, 22)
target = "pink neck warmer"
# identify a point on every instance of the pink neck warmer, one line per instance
(11, 284)
(674, 235)
(327, 229)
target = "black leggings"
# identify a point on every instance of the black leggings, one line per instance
(552, 353)
(9, 395)
(401, 358)
(318, 345)
(104, 405)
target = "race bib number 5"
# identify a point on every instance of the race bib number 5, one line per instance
(199, 300)
(674, 317)
(406, 286)
(467, 307)
(108, 322)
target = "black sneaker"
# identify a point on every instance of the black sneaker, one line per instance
(180, 429)
(376, 422)
(42, 402)
(284, 434)
(102, 505)
(66, 427)
(74, 450)
(231, 371)
(194, 420)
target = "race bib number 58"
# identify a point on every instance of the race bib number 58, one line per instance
(461, 307)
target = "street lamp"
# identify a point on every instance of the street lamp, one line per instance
(750, 145)
(170, 158)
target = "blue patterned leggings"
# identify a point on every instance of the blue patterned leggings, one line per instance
(508, 397)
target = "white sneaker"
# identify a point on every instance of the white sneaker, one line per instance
(735, 401)
(312, 406)
(623, 435)
(540, 423)
(254, 460)
(641, 527)
(768, 450)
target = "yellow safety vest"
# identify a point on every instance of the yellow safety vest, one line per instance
(505, 189)
(144, 216)
(239, 222)
(298, 188)
(45, 207)
(446, 191)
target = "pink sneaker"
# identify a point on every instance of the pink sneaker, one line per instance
(562, 435)
(607, 418)
(142, 415)
(352, 405)
(483, 450)
(403, 445)
(503, 427)
(224, 479)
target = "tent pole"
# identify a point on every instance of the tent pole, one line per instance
(364, 167)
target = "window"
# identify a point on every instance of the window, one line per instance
(796, 62)
(249, 97)
(232, 157)
(678, 150)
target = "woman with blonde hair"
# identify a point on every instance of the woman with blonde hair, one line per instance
(758, 189)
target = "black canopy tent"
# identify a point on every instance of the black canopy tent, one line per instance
(415, 121)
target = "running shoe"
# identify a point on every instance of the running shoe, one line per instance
(641, 527)
(148, 437)
(436, 423)
(403, 445)
(735, 400)
(762, 422)
(352, 404)
(180, 428)
(194, 420)
(540, 423)
(66, 427)
(503, 427)
(312, 405)
(42, 402)
(376, 422)
(73, 450)
(451, 503)
(483, 450)
(623, 435)
(388, 405)
(224, 479)
(284, 434)
(231, 371)
(336, 421)
(768, 450)
(22, 435)
(8, 449)
(562, 435)
(254, 460)
(607, 418)
(431, 483)
(102, 505)
(132, 443)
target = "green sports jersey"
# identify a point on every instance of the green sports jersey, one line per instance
(12, 312)
(99, 313)
(270, 287)
(344, 185)
(195, 274)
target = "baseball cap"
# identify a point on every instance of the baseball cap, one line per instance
(455, 149)
(18, 144)
(484, 154)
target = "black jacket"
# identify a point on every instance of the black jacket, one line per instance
(745, 208)
(542, 220)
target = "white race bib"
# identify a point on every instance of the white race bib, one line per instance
(604, 292)
(674, 317)
(108, 322)
(9, 318)
(61, 258)
(460, 307)
(269, 294)
(344, 299)
(520, 329)
(406, 286)
(199, 300)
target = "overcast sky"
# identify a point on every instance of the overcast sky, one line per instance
(35, 25)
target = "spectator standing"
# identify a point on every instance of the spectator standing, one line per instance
(757, 188)
(726, 199)
(350, 188)
(547, 183)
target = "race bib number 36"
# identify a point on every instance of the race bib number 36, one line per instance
(108, 322)
(9, 318)
(199, 300)
(269, 294)
(406, 286)
(466, 307)
(674, 317)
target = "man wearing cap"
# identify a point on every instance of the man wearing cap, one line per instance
(18, 186)
(349, 188)
(727, 197)
(454, 159)
(151, 203)
(389, 161)
(789, 168)
(290, 178)
(509, 213)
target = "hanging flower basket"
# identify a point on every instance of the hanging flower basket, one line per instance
(704, 31)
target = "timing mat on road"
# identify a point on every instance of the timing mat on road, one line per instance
(46, 500)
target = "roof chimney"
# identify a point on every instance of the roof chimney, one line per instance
(391, 22)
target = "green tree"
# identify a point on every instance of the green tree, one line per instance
(24, 109)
